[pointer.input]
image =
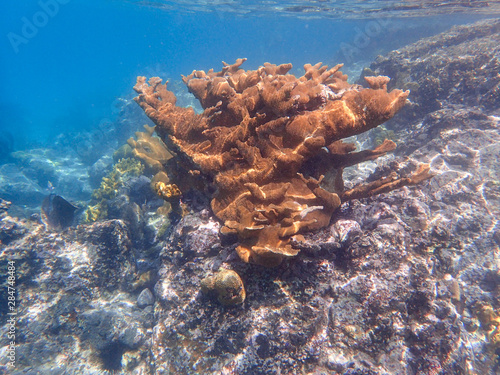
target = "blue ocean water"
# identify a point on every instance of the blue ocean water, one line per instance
(64, 63)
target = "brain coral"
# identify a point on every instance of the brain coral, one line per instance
(267, 138)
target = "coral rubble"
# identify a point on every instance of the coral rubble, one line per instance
(267, 138)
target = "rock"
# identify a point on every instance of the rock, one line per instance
(11, 229)
(457, 67)
(99, 169)
(145, 298)
(68, 176)
(84, 298)
(261, 345)
(4, 207)
(195, 235)
(18, 188)
(139, 189)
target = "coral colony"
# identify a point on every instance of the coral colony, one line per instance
(267, 138)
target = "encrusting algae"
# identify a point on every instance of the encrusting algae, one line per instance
(266, 139)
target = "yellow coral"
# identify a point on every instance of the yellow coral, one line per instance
(109, 187)
(167, 191)
(96, 212)
(129, 166)
(113, 181)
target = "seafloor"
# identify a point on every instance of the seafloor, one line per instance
(402, 283)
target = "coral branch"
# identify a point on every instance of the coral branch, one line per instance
(386, 184)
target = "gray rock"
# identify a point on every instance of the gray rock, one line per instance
(68, 176)
(145, 298)
(456, 67)
(19, 189)
(93, 322)
(99, 169)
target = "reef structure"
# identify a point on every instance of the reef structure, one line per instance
(267, 139)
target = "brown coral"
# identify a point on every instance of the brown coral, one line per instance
(228, 286)
(151, 150)
(267, 138)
